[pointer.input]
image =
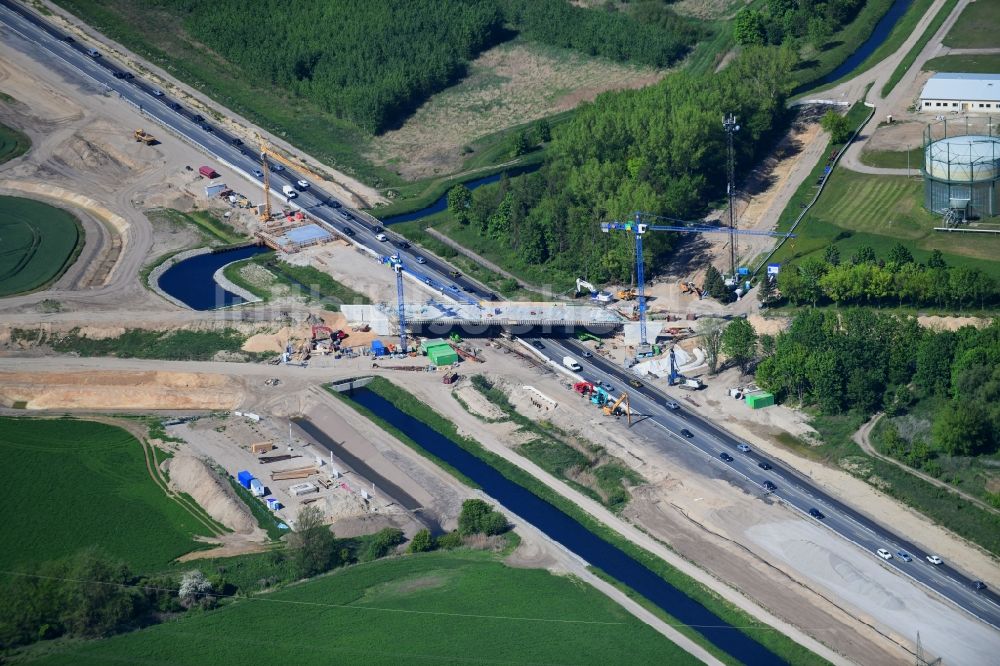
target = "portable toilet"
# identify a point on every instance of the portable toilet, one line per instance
(244, 477)
(378, 349)
(273, 504)
(257, 488)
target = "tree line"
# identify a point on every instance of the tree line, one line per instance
(895, 279)
(660, 150)
(374, 63)
(794, 21)
(867, 361)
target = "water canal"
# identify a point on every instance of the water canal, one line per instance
(879, 34)
(190, 281)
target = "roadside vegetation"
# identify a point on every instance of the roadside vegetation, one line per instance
(39, 243)
(582, 464)
(12, 143)
(791, 652)
(938, 388)
(214, 230)
(908, 60)
(528, 615)
(179, 345)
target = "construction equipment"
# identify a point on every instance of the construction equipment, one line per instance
(639, 228)
(620, 406)
(267, 152)
(583, 336)
(626, 294)
(584, 287)
(583, 388)
(675, 378)
(466, 354)
(450, 378)
(322, 329)
(148, 139)
(600, 396)
(397, 265)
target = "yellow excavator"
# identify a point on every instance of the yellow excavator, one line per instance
(618, 407)
(626, 295)
(143, 136)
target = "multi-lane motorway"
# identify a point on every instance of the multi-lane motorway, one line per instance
(660, 423)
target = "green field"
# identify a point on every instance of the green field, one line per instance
(908, 60)
(977, 27)
(860, 209)
(894, 159)
(139, 343)
(214, 230)
(12, 143)
(39, 244)
(81, 483)
(974, 64)
(434, 608)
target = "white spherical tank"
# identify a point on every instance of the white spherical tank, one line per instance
(963, 159)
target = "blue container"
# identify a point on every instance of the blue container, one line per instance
(245, 477)
(378, 349)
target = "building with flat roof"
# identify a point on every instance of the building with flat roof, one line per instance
(965, 93)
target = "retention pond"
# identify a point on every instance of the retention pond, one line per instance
(191, 281)
(574, 536)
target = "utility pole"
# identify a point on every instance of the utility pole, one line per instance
(730, 127)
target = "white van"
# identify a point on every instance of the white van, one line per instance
(289, 191)
(93, 53)
(571, 363)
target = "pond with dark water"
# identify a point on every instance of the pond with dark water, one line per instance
(190, 281)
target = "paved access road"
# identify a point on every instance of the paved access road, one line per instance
(664, 424)
(708, 439)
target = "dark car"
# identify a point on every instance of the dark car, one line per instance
(402, 244)
(468, 289)
(454, 274)
(537, 344)
(198, 118)
(175, 106)
(635, 382)
(725, 456)
(978, 585)
(119, 75)
(376, 230)
(237, 141)
(493, 296)
(348, 231)
(686, 432)
(68, 39)
(128, 76)
(244, 151)
(816, 513)
(764, 465)
(769, 487)
(334, 203)
(206, 127)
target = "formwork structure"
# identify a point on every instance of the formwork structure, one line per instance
(291, 239)
(961, 168)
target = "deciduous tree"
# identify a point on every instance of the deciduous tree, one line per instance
(739, 343)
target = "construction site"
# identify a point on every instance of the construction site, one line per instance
(274, 416)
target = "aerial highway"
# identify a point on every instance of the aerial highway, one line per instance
(660, 423)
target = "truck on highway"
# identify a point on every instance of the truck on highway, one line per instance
(289, 191)
(571, 363)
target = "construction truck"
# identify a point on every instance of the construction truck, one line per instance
(144, 137)
(619, 407)
(626, 294)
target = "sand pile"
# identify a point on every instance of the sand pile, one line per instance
(214, 494)
(343, 504)
(119, 390)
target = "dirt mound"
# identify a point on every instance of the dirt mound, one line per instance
(119, 390)
(192, 476)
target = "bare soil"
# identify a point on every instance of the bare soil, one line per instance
(507, 85)
(191, 475)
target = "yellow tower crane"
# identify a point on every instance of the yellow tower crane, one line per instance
(267, 152)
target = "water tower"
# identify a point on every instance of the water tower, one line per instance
(961, 167)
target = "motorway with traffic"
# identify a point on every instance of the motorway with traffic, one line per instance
(660, 423)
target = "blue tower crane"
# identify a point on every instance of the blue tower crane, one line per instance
(639, 228)
(397, 265)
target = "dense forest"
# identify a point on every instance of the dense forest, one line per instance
(660, 150)
(895, 279)
(866, 361)
(786, 21)
(373, 63)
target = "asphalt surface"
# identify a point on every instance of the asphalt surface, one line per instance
(662, 423)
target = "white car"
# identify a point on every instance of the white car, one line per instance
(420, 260)
(934, 559)
(303, 184)
(745, 448)
(669, 403)
(884, 554)
(158, 93)
(381, 237)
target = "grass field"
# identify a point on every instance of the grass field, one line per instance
(974, 64)
(81, 483)
(435, 608)
(39, 244)
(911, 56)
(860, 209)
(139, 343)
(894, 159)
(977, 27)
(12, 143)
(214, 230)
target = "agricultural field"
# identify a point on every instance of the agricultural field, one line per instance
(444, 607)
(976, 28)
(986, 63)
(39, 244)
(81, 484)
(12, 144)
(879, 211)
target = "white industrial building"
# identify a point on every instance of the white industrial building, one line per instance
(967, 93)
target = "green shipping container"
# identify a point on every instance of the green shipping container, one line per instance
(442, 355)
(758, 400)
(427, 345)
